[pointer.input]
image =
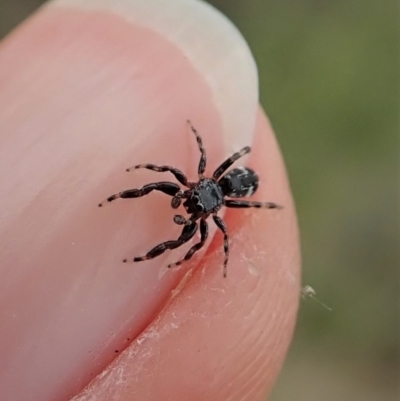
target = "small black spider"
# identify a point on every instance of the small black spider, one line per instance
(203, 198)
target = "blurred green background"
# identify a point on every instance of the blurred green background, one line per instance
(329, 83)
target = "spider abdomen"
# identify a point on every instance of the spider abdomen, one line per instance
(239, 182)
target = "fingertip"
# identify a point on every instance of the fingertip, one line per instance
(100, 100)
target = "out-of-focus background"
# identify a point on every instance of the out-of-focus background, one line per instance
(329, 83)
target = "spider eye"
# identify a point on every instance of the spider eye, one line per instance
(197, 203)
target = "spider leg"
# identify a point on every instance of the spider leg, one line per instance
(177, 173)
(187, 233)
(168, 188)
(203, 157)
(196, 247)
(246, 204)
(221, 225)
(228, 162)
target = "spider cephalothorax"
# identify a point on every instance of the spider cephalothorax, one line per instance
(204, 198)
(200, 200)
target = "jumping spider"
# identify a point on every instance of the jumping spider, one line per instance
(202, 199)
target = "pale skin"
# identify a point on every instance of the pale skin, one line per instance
(83, 99)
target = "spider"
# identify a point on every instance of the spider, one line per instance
(202, 199)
